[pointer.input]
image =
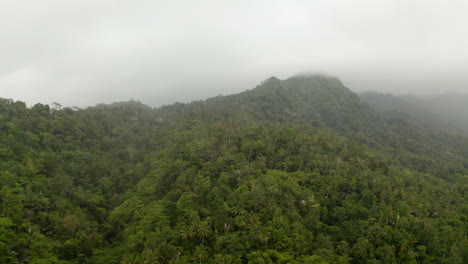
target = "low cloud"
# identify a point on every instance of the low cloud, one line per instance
(86, 52)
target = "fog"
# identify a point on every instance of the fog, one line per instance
(84, 52)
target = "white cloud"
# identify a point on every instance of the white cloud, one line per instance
(82, 52)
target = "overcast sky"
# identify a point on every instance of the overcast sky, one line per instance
(83, 52)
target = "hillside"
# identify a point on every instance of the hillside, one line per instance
(447, 112)
(293, 171)
(323, 102)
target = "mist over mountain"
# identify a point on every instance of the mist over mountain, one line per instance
(300, 170)
(141, 132)
(85, 52)
(446, 111)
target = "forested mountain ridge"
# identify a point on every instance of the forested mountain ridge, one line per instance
(293, 171)
(324, 102)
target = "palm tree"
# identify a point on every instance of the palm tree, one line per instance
(201, 253)
(186, 231)
(203, 230)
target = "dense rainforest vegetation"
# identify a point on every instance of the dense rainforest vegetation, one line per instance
(293, 171)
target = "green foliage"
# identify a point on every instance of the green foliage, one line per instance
(294, 171)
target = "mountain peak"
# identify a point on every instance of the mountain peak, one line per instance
(270, 80)
(317, 77)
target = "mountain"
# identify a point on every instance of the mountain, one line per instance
(323, 102)
(300, 170)
(448, 111)
(451, 107)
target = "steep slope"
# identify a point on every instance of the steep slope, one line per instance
(320, 100)
(246, 167)
(325, 103)
(292, 171)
